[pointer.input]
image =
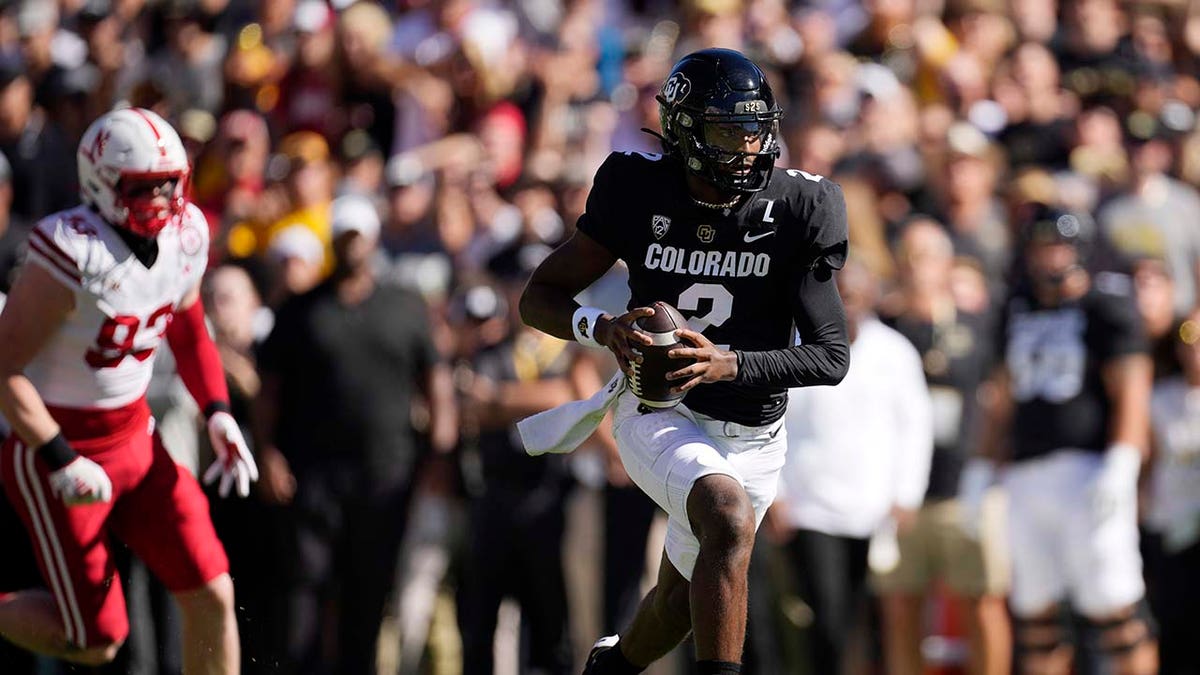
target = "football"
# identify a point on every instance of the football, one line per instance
(648, 379)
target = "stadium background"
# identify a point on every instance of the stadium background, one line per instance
(474, 127)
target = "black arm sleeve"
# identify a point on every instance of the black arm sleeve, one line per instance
(823, 353)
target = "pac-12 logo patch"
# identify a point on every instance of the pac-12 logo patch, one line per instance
(677, 88)
(659, 226)
(706, 233)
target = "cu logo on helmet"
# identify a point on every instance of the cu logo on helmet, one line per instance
(677, 88)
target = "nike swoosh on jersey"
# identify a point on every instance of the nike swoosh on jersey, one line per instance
(756, 237)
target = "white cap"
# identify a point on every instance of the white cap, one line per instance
(296, 241)
(312, 16)
(354, 213)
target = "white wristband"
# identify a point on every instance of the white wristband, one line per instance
(583, 325)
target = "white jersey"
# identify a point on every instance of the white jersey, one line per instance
(1175, 489)
(104, 352)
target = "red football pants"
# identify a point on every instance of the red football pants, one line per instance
(157, 509)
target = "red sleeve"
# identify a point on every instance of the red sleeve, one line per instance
(197, 359)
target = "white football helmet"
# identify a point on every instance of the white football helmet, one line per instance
(133, 170)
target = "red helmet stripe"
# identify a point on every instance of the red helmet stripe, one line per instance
(162, 147)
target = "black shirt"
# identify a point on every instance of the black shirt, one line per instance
(347, 376)
(44, 178)
(503, 460)
(749, 277)
(956, 353)
(1054, 357)
(1040, 144)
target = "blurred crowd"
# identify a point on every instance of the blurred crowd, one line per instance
(459, 138)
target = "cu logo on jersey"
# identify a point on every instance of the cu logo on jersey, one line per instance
(677, 88)
(706, 233)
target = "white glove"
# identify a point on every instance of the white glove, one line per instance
(233, 462)
(1115, 486)
(82, 481)
(976, 477)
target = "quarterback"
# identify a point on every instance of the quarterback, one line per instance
(746, 253)
(105, 282)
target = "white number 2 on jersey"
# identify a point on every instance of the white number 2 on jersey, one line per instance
(722, 306)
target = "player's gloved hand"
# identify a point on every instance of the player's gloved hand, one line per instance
(73, 478)
(1115, 486)
(977, 476)
(713, 364)
(233, 464)
(622, 338)
(81, 482)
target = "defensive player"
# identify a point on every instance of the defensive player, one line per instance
(1074, 403)
(747, 252)
(104, 283)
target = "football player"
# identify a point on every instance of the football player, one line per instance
(1073, 401)
(105, 282)
(747, 253)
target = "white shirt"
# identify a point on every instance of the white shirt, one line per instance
(1175, 487)
(857, 449)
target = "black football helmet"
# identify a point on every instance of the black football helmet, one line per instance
(715, 107)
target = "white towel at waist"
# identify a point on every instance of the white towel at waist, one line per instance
(562, 428)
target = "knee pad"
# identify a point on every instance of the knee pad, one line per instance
(1039, 636)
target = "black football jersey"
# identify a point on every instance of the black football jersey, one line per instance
(1054, 357)
(733, 273)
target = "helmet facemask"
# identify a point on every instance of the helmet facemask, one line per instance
(740, 150)
(151, 201)
(735, 151)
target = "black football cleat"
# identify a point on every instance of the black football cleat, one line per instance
(602, 645)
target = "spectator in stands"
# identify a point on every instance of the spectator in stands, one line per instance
(43, 161)
(189, 69)
(250, 529)
(340, 371)
(955, 346)
(858, 458)
(973, 214)
(516, 512)
(1175, 503)
(308, 186)
(1155, 214)
(229, 177)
